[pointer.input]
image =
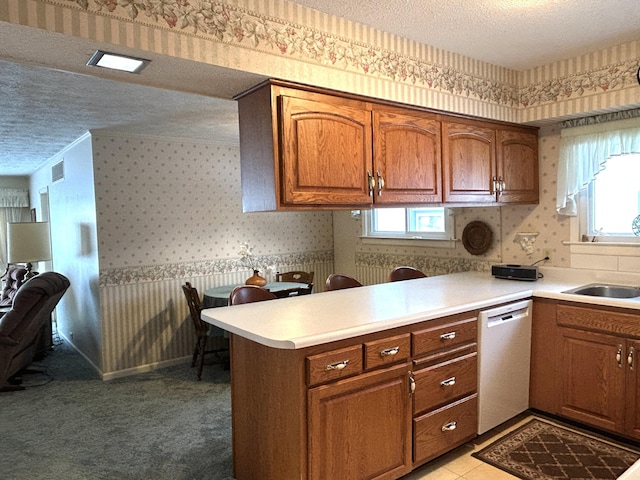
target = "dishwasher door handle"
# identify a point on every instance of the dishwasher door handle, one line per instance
(506, 318)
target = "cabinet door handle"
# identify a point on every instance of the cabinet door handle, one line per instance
(371, 183)
(337, 366)
(495, 184)
(501, 185)
(412, 384)
(448, 427)
(390, 352)
(448, 336)
(449, 382)
(380, 183)
(630, 358)
(619, 356)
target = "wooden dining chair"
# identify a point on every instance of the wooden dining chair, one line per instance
(337, 281)
(405, 273)
(298, 277)
(201, 330)
(249, 294)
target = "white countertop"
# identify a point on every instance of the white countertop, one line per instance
(303, 321)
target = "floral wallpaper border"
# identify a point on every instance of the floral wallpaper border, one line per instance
(596, 119)
(231, 24)
(155, 273)
(429, 265)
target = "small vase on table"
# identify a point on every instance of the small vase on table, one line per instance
(256, 279)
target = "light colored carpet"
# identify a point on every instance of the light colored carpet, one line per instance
(158, 425)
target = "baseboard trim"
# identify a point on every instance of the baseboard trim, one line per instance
(145, 368)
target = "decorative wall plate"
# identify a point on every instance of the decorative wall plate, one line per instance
(477, 237)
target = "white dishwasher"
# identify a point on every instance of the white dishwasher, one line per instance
(504, 357)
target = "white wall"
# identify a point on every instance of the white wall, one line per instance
(74, 246)
(14, 182)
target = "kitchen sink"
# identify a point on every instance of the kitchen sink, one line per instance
(604, 290)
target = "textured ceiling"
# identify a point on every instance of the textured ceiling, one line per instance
(518, 34)
(48, 97)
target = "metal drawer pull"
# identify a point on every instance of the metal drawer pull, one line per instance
(448, 427)
(337, 365)
(390, 352)
(449, 382)
(630, 357)
(448, 336)
(412, 384)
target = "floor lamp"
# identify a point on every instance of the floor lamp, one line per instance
(28, 242)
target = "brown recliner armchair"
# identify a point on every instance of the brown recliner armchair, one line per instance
(13, 279)
(21, 326)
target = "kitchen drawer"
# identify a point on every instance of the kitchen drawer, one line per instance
(387, 351)
(445, 335)
(439, 431)
(335, 364)
(440, 384)
(599, 320)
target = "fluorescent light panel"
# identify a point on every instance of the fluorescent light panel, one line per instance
(117, 62)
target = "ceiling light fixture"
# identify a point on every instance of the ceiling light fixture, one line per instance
(117, 62)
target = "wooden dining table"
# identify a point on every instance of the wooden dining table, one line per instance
(219, 296)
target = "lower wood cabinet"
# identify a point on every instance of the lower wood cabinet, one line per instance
(361, 427)
(370, 407)
(587, 368)
(600, 381)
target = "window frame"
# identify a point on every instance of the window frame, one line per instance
(587, 232)
(439, 239)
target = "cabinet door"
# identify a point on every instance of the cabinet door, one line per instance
(517, 168)
(406, 157)
(360, 428)
(545, 392)
(326, 152)
(632, 397)
(593, 379)
(468, 159)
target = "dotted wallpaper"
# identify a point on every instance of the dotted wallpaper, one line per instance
(166, 201)
(543, 219)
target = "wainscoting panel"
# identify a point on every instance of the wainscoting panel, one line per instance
(146, 325)
(373, 268)
(371, 274)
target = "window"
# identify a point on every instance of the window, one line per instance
(612, 201)
(429, 223)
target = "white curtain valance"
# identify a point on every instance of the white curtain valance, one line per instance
(13, 198)
(584, 152)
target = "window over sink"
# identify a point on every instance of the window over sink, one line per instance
(610, 208)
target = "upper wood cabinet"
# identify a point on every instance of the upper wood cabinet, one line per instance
(326, 151)
(303, 147)
(483, 163)
(406, 156)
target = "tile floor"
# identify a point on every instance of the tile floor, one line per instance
(460, 465)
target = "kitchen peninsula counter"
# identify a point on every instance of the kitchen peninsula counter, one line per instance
(307, 320)
(316, 378)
